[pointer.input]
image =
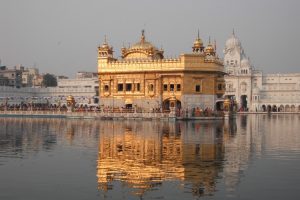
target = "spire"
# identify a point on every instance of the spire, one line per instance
(105, 39)
(198, 44)
(143, 36)
(215, 45)
(105, 44)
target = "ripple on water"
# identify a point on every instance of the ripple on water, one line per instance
(284, 155)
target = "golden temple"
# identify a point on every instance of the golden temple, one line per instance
(142, 78)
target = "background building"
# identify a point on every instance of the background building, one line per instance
(254, 90)
(11, 76)
(84, 90)
(29, 77)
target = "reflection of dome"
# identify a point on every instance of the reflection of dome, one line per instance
(245, 62)
(232, 42)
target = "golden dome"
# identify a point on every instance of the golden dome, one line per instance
(198, 43)
(70, 98)
(143, 44)
(104, 46)
(209, 49)
(142, 50)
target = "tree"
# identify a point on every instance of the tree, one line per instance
(49, 80)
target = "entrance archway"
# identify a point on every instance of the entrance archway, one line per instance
(293, 108)
(287, 108)
(244, 106)
(219, 105)
(281, 108)
(167, 104)
(264, 108)
(128, 103)
(269, 108)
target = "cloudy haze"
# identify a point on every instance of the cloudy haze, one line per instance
(61, 36)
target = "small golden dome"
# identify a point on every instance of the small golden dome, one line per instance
(209, 49)
(70, 98)
(198, 43)
(104, 45)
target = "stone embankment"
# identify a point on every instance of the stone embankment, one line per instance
(107, 115)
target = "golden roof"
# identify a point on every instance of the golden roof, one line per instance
(142, 50)
(143, 44)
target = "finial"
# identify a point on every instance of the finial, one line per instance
(105, 39)
(215, 45)
(198, 35)
(209, 40)
(233, 32)
(143, 36)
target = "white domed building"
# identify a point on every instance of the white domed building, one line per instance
(255, 91)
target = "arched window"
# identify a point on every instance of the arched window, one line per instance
(151, 87)
(106, 88)
(172, 87)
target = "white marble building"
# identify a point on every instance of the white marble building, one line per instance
(255, 91)
(84, 91)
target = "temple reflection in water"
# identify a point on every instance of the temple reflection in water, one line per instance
(144, 154)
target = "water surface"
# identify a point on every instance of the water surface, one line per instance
(252, 157)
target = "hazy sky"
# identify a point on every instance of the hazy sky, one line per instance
(61, 36)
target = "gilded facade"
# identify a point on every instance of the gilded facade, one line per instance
(144, 79)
